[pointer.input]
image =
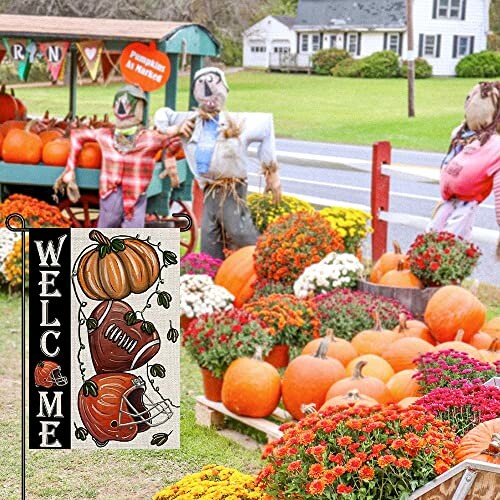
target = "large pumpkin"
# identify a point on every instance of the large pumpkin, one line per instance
(481, 443)
(375, 340)
(460, 346)
(375, 366)
(369, 386)
(481, 340)
(90, 156)
(352, 398)
(492, 354)
(402, 385)
(388, 262)
(452, 308)
(56, 152)
(22, 110)
(237, 275)
(22, 146)
(400, 277)
(7, 126)
(8, 106)
(413, 328)
(51, 134)
(339, 349)
(403, 352)
(307, 379)
(251, 387)
(492, 327)
(406, 402)
(117, 267)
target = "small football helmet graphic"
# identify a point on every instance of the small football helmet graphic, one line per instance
(121, 408)
(47, 374)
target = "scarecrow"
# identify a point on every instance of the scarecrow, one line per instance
(471, 169)
(216, 147)
(128, 160)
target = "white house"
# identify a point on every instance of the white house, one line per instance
(444, 31)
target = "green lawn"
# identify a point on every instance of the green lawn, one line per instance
(343, 110)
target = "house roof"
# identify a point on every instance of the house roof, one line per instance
(288, 21)
(343, 14)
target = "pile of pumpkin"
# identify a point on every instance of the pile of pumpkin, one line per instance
(375, 367)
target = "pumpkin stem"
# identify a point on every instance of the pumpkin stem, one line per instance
(258, 353)
(30, 125)
(494, 445)
(2, 89)
(376, 318)
(493, 345)
(459, 336)
(401, 264)
(99, 237)
(330, 334)
(323, 348)
(397, 247)
(402, 322)
(308, 409)
(358, 369)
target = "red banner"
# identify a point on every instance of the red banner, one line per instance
(54, 53)
(145, 66)
(109, 62)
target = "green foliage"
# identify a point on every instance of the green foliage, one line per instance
(383, 64)
(232, 51)
(422, 69)
(350, 68)
(485, 64)
(325, 60)
(38, 72)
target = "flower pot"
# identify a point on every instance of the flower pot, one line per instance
(212, 386)
(185, 321)
(279, 356)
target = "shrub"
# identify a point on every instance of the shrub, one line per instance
(422, 69)
(232, 51)
(485, 64)
(348, 68)
(325, 60)
(383, 64)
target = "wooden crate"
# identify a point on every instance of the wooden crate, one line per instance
(210, 413)
(469, 480)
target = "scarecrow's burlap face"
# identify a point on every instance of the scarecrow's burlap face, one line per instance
(210, 92)
(128, 110)
(481, 107)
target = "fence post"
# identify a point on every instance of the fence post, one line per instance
(381, 155)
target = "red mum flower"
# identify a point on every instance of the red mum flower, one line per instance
(366, 473)
(343, 489)
(344, 440)
(316, 487)
(316, 470)
(295, 466)
(405, 463)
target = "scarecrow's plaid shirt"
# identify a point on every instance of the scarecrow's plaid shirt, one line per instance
(132, 171)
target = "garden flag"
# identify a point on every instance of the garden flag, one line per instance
(22, 53)
(109, 62)
(54, 54)
(91, 51)
(104, 338)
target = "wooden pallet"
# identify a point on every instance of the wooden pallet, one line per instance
(210, 413)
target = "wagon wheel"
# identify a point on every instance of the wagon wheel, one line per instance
(84, 213)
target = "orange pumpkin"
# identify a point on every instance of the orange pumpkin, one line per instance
(401, 353)
(352, 398)
(22, 146)
(400, 277)
(117, 267)
(492, 354)
(22, 110)
(406, 402)
(51, 134)
(369, 386)
(56, 152)
(453, 308)
(90, 156)
(251, 387)
(402, 385)
(339, 349)
(375, 340)
(307, 379)
(375, 366)
(481, 443)
(8, 106)
(413, 328)
(388, 262)
(237, 275)
(7, 126)
(481, 340)
(460, 346)
(492, 327)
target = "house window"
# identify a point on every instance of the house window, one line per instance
(430, 45)
(304, 43)
(352, 43)
(315, 43)
(281, 50)
(394, 42)
(333, 41)
(258, 48)
(464, 45)
(450, 8)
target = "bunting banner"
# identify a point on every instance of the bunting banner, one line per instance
(109, 64)
(22, 53)
(2, 54)
(104, 368)
(91, 51)
(55, 55)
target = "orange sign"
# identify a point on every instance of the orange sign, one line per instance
(145, 66)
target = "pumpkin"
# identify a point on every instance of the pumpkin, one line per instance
(56, 152)
(375, 366)
(22, 146)
(307, 379)
(402, 385)
(492, 327)
(492, 354)
(22, 110)
(1, 140)
(7, 126)
(8, 106)
(401, 353)
(375, 340)
(352, 398)
(406, 402)
(339, 349)
(453, 308)
(400, 277)
(413, 328)
(388, 262)
(251, 387)
(481, 340)
(90, 156)
(460, 346)
(237, 275)
(369, 386)
(51, 134)
(117, 267)
(481, 443)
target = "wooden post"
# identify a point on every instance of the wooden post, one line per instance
(73, 77)
(196, 64)
(379, 197)
(411, 58)
(171, 88)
